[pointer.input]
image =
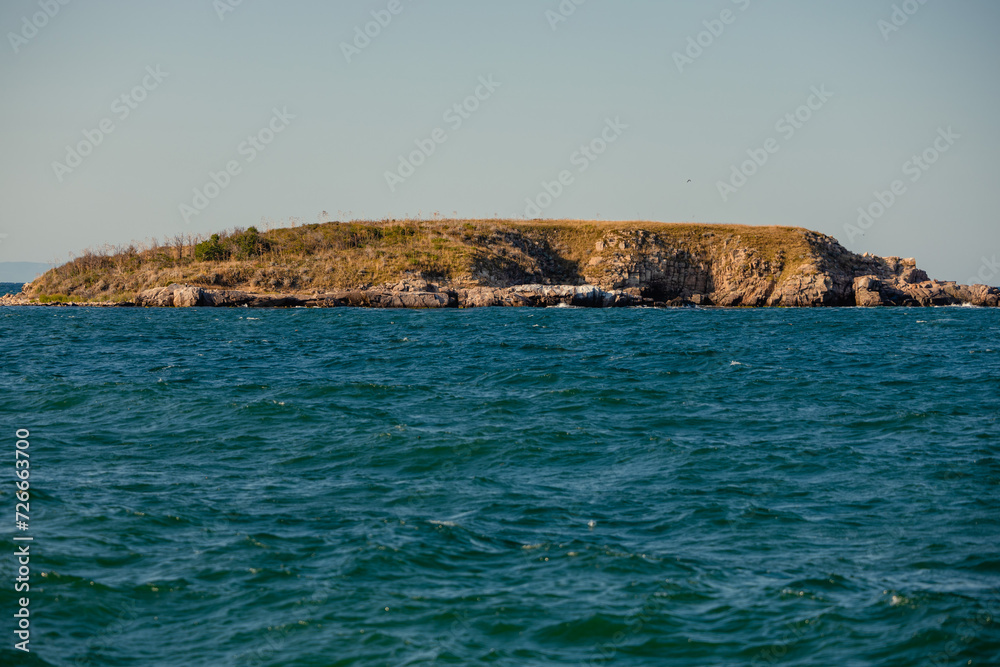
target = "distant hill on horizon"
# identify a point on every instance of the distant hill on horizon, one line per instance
(22, 272)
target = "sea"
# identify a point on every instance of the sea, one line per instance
(522, 487)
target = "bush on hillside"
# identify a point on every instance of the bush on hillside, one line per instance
(240, 245)
(210, 250)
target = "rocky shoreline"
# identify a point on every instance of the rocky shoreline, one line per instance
(408, 294)
(910, 288)
(869, 291)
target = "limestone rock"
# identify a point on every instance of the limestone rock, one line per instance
(410, 300)
(19, 299)
(225, 298)
(537, 296)
(187, 297)
(172, 296)
(867, 292)
(982, 295)
(158, 297)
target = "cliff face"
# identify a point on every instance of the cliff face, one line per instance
(730, 273)
(481, 263)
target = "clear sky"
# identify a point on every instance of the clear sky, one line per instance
(621, 78)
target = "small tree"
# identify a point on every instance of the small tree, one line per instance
(248, 244)
(210, 250)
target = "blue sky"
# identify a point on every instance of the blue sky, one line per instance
(328, 130)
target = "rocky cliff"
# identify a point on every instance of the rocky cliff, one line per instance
(496, 263)
(731, 273)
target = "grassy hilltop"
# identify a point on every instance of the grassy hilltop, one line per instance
(329, 256)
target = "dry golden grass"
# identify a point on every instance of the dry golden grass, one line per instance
(350, 255)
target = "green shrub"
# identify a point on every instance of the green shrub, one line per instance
(248, 244)
(210, 250)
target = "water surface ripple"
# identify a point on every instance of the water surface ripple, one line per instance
(508, 487)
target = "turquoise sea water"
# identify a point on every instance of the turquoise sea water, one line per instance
(506, 487)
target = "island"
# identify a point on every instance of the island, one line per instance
(481, 263)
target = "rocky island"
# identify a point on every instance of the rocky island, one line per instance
(479, 263)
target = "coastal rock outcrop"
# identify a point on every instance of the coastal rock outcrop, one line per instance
(18, 299)
(169, 297)
(418, 295)
(581, 296)
(731, 273)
